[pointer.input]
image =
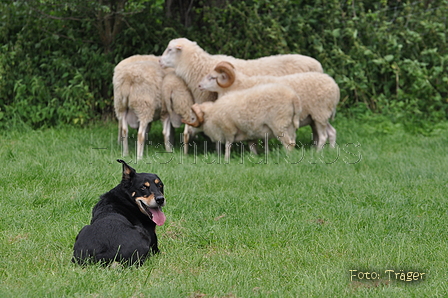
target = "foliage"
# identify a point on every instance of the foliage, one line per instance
(52, 68)
(388, 57)
(48, 75)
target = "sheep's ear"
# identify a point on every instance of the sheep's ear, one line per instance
(226, 74)
(225, 80)
(224, 77)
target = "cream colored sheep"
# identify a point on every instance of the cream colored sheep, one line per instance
(269, 110)
(176, 101)
(131, 59)
(192, 63)
(318, 92)
(137, 58)
(137, 97)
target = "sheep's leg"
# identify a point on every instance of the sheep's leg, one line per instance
(322, 135)
(266, 144)
(141, 138)
(167, 136)
(186, 139)
(227, 151)
(120, 125)
(124, 134)
(253, 147)
(331, 132)
(315, 133)
(171, 138)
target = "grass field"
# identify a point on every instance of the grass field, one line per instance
(302, 225)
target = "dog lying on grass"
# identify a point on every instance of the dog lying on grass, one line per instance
(123, 225)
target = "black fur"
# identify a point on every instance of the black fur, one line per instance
(119, 230)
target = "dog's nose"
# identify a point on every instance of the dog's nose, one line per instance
(160, 200)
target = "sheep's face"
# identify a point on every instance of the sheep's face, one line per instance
(171, 55)
(209, 82)
(222, 77)
(194, 119)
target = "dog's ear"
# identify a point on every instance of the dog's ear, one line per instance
(128, 172)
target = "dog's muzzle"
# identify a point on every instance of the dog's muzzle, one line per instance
(152, 208)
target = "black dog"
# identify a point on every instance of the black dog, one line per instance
(123, 225)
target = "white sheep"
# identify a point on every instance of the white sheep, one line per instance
(192, 63)
(269, 110)
(318, 92)
(137, 97)
(131, 59)
(176, 105)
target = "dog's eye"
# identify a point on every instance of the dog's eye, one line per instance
(145, 185)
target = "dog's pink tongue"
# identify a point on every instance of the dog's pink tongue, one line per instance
(158, 216)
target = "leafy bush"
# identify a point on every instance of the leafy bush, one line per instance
(44, 77)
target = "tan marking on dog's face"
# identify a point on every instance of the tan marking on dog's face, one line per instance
(133, 194)
(147, 184)
(157, 181)
(149, 201)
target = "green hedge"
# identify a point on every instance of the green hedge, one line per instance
(388, 57)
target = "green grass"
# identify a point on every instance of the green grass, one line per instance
(256, 227)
